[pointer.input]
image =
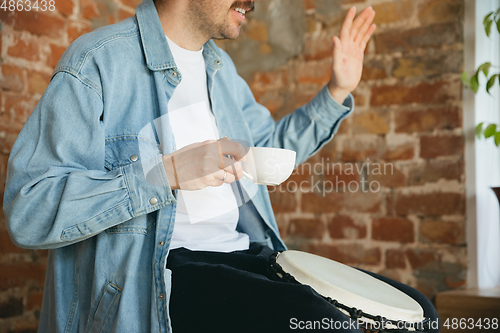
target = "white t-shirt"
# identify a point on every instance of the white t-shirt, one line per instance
(206, 219)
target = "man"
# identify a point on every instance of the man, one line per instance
(126, 171)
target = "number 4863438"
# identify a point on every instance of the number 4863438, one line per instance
(28, 5)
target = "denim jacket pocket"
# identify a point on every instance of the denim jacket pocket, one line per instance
(106, 311)
(124, 150)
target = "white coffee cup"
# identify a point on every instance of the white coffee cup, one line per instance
(268, 166)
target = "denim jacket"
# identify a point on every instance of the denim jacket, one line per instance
(76, 184)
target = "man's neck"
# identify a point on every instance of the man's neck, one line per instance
(177, 28)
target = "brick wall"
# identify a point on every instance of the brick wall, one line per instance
(387, 194)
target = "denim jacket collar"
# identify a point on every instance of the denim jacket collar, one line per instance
(155, 45)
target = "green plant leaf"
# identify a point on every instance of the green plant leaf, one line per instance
(498, 26)
(465, 79)
(479, 130)
(497, 139)
(485, 68)
(487, 27)
(487, 18)
(474, 82)
(491, 82)
(490, 130)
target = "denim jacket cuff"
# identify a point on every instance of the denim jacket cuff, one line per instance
(149, 192)
(327, 111)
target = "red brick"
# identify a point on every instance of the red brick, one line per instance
(27, 49)
(313, 73)
(38, 82)
(38, 23)
(317, 203)
(56, 52)
(432, 146)
(373, 70)
(282, 225)
(275, 79)
(34, 299)
(433, 170)
(424, 92)
(394, 178)
(89, 9)
(430, 64)
(257, 30)
(329, 152)
(123, 14)
(442, 232)
(131, 3)
(353, 254)
(11, 307)
(11, 134)
(399, 153)
(363, 200)
(309, 4)
(20, 274)
(426, 120)
(435, 35)
(441, 11)
(430, 204)
(65, 7)
(359, 98)
(344, 227)
(282, 200)
(372, 122)
(6, 245)
(340, 175)
(393, 11)
(18, 109)
(395, 259)
(76, 29)
(393, 229)
(307, 228)
(420, 258)
(318, 48)
(12, 78)
(272, 100)
(355, 149)
(307, 172)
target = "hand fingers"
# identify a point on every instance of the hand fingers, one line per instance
(337, 52)
(220, 177)
(346, 26)
(358, 22)
(368, 35)
(236, 170)
(365, 26)
(232, 148)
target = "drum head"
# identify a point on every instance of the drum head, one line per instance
(350, 286)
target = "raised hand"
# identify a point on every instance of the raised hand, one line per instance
(348, 52)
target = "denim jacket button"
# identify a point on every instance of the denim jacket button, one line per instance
(161, 296)
(217, 62)
(174, 73)
(161, 243)
(153, 201)
(134, 158)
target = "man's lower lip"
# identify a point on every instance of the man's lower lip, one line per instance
(239, 14)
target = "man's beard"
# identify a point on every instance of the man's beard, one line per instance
(206, 24)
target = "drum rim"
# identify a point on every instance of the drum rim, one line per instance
(353, 312)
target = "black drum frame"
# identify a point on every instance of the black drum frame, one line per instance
(275, 270)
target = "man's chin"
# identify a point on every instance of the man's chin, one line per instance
(228, 36)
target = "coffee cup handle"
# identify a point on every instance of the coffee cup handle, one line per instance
(246, 174)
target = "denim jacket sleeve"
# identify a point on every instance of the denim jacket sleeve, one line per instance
(305, 130)
(58, 191)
